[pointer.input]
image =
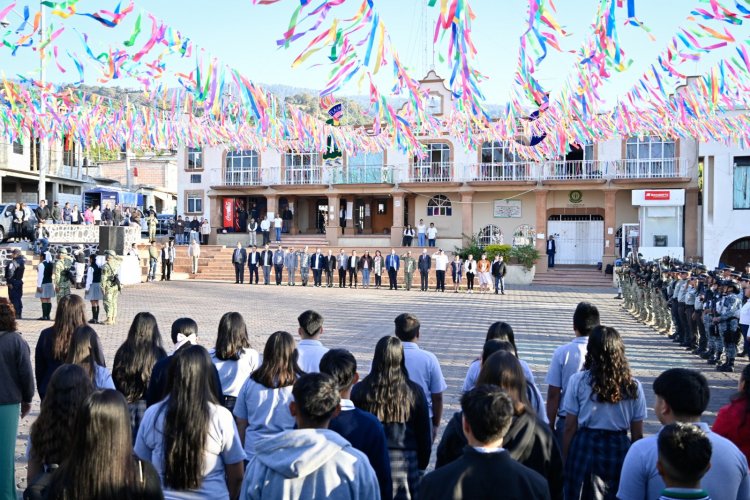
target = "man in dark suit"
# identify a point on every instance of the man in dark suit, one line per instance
(424, 263)
(487, 415)
(278, 264)
(551, 250)
(266, 261)
(239, 257)
(499, 270)
(253, 261)
(330, 267)
(342, 263)
(392, 264)
(317, 264)
(353, 268)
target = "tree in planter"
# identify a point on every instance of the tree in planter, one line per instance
(526, 255)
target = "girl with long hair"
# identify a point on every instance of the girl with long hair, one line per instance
(602, 403)
(101, 464)
(529, 440)
(377, 268)
(401, 406)
(500, 330)
(85, 352)
(733, 420)
(233, 357)
(134, 361)
(262, 404)
(54, 342)
(192, 440)
(52, 432)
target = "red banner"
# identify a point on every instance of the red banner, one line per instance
(228, 213)
(657, 195)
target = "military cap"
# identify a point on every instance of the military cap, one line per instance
(702, 267)
(110, 253)
(736, 274)
(729, 268)
(62, 251)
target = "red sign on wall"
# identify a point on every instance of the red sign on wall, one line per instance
(228, 213)
(657, 195)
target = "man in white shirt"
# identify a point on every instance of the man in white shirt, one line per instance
(682, 396)
(278, 224)
(431, 234)
(566, 362)
(441, 266)
(309, 348)
(265, 228)
(423, 367)
(421, 232)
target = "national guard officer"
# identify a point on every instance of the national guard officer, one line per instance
(14, 279)
(62, 274)
(729, 325)
(110, 286)
(410, 265)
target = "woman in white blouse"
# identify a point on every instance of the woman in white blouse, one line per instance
(233, 357)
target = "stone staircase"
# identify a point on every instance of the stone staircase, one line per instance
(577, 276)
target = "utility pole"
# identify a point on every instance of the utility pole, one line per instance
(128, 171)
(43, 150)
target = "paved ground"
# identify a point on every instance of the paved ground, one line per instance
(453, 327)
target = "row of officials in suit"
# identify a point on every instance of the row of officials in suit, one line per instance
(268, 261)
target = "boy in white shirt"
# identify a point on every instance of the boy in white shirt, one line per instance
(432, 234)
(309, 348)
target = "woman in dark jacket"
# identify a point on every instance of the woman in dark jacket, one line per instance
(529, 440)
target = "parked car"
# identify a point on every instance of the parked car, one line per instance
(164, 222)
(6, 220)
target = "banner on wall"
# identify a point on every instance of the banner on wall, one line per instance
(228, 212)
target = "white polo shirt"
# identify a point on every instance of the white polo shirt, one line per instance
(431, 233)
(566, 362)
(424, 369)
(310, 353)
(441, 262)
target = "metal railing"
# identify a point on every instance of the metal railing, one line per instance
(242, 178)
(362, 175)
(575, 169)
(500, 172)
(302, 175)
(431, 172)
(656, 168)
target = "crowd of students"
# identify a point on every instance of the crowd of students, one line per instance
(298, 422)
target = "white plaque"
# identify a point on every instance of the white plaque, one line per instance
(505, 209)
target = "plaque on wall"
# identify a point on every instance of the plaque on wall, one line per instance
(506, 209)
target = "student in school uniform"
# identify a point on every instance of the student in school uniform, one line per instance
(602, 404)
(310, 350)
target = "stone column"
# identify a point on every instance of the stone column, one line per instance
(467, 216)
(332, 221)
(215, 217)
(294, 201)
(272, 205)
(541, 227)
(610, 220)
(397, 230)
(691, 224)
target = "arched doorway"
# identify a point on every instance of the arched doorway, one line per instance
(737, 254)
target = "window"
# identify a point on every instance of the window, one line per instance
(435, 165)
(497, 153)
(365, 168)
(365, 160)
(435, 104)
(741, 182)
(439, 206)
(524, 235)
(195, 178)
(302, 168)
(499, 162)
(18, 146)
(65, 189)
(650, 157)
(242, 168)
(194, 203)
(195, 159)
(491, 235)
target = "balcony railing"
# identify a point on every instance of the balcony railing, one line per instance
(500, 172)
(564, 170)
(656, 168)
(302, 175)
(362, 175)
(431, 172)
(242, 178)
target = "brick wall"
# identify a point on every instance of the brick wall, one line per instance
(149, 173)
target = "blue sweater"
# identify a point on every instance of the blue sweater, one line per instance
(365, 432)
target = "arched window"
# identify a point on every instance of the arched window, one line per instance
(439, 206)
(491, 235)
(523, 235)
(242, 168)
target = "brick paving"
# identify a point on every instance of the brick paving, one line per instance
(453, 327)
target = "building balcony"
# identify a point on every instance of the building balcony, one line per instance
(362, 175)
(575, 170)
(500, 172)
(244, 178)
(431, 172)
(657, 168)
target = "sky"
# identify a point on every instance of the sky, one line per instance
(244, 36)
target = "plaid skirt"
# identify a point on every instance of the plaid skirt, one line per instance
(94, 292)
(404, 474)
(592, 470)
(48, 291)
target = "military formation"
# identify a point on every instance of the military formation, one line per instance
(695, 307)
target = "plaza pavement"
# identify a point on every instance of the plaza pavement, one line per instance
(453, 327)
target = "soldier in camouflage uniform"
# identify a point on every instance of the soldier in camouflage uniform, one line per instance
(151, 222)
(110, 286)
(61, 274)
(729, 326)
(304, 265)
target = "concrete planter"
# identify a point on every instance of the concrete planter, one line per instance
(518, 275)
